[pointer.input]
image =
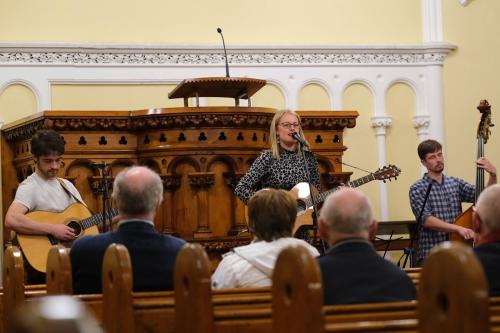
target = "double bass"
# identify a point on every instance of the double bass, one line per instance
(483, 134)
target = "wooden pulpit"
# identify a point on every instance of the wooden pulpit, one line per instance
(199, 152)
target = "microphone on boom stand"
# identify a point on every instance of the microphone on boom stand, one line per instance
(219, 30)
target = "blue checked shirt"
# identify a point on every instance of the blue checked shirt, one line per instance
(445, 203)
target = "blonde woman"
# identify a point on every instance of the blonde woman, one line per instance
(281, 167)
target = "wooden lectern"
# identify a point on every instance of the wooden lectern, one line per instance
(230, 87)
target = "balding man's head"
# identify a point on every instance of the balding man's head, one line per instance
(137, 191)
(488, 209)
(347, 213)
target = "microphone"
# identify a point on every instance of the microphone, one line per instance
(219, 30)
(409, 250)
(299, 139)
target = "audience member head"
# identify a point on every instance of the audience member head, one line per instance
(138, 191)
(271, 214)
(284, 123)
(46, 142)
(347, 213)
(428, 147)
(54, 314)
(486, 216)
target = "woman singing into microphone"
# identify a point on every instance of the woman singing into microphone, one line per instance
(281, 167)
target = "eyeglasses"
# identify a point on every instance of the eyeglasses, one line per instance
(289, 125)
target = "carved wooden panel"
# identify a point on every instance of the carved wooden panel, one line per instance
(200, 154)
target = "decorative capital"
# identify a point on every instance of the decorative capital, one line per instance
(171, 181)
(201, 179)
(380, 123)
(421, 123)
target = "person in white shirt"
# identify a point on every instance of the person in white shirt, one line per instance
(42, 190)
(271, 216)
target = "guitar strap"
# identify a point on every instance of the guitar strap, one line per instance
(71, 194)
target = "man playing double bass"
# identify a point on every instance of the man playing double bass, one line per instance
(444, 203)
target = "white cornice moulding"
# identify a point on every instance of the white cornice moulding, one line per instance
(72, 54)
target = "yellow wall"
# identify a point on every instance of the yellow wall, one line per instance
(17, 101)
(112, 96)
(181, 22)
(314, 97)
(470, 74)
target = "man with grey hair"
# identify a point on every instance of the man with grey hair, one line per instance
(138, 193)
(352, 270)
(486, 221)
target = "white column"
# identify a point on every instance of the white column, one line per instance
(434, 102)
(380, 123)
(432, 21)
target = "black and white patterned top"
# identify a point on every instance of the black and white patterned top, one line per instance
(445, 203)
(283, 173)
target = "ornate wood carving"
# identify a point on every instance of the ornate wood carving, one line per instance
(200, 154)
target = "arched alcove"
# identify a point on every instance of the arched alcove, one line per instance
(313, 96)
(401, 138)
(17, 101)
(271, 96)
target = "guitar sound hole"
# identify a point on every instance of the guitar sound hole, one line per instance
(77, 228)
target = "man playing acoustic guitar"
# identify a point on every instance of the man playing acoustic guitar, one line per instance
(42, 190)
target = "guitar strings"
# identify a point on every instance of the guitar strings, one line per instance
(352, 166)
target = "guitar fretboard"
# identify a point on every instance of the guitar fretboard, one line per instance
(355, 183)
(98, 218)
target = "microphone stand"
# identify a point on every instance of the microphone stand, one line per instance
(103, 189)
(313, 199)
(408, 252)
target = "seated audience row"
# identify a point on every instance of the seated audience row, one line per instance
(352, 271)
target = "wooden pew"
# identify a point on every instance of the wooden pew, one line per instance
(249, 310)
(453, 297)
(156, 311)
(58, 273)
(13, 283)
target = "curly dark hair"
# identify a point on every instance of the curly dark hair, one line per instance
(45, 142)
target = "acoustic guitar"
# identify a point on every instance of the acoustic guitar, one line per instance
(76, 216)
(304, 201)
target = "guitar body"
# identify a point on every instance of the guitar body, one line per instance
(301, 193)
(36, 247)
(464, 220)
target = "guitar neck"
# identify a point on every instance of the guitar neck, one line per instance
(355, 183)
(97, 218)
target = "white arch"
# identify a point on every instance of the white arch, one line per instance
(26, 84)
(322, 83)
(281, 87)
(362, 81)
(415, 87)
